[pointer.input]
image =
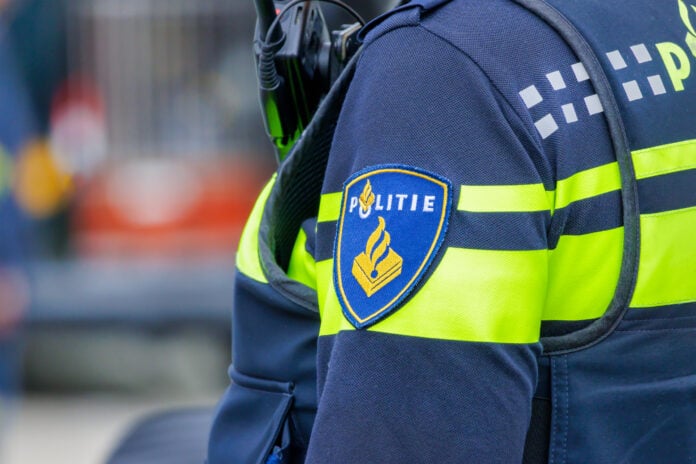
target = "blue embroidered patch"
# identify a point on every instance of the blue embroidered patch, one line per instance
(393, 220)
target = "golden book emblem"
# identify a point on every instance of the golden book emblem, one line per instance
(378, 264)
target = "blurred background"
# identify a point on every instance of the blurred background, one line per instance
(131, 151)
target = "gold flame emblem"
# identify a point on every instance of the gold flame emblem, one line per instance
(378, 264)
(367, 197)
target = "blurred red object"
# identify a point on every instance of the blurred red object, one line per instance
(166, 207)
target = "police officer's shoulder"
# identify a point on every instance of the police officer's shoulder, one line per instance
(408, 14)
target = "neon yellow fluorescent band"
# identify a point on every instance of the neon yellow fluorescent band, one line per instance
(330, 311)
(248, 261)
(583, 273)
(302, 267)
(667, 273)
(665, 159)
(533, 197)
(473, 295)
(588, 184)
(330, 207)
(504, 198)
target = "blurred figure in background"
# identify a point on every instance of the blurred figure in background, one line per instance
(16, 128)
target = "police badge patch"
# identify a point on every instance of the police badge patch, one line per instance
(393, 220)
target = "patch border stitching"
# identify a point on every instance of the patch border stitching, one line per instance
(354, 319)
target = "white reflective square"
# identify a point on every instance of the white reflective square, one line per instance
(641, 53)
(632, 90)
(580, 72)
(616, 60)
(556, 80)
(546, 126)
(657, 85)
(569, 113)
(531, 96)
(594, 105)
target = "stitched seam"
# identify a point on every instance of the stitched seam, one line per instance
(554, 419)
(567, 409)
(658, 318)
(668, 171)
(669, 213)
(532, 134)
(682, 329)
(669, 302)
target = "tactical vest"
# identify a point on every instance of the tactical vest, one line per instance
(621, 389)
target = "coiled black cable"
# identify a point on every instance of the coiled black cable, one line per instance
(269, 79)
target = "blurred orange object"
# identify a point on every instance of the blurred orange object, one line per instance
(166, 207)
(41, 184)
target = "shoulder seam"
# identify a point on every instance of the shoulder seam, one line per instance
(509, 104)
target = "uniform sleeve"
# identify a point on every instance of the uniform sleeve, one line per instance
(447, 374)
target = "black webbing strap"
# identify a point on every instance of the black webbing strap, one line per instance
(604, 326)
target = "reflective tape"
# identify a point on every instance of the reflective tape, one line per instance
(533, 197)
(587, 184)
(667, 273)
(583, 274)
(302, 267)
(473, 295)
(330, 207)
(248, 260)
(504, 198)
(665, 159)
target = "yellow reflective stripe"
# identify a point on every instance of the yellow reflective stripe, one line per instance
(473, 295)
(588, 184)
(248, 261)
(330, 207)
(533, 197)
(330, 310)
(667, 273)
(503, 198)
(302, 267)
(665, 159)
(583, 274)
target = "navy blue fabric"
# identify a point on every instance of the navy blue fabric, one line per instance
(676, 311)
(273, 376)
(324, 248)
(275, 339)
(247, 423)
(667, 192)
(630, 399)
(581, 217)
(512, 230)
(652, 120)
(516, 49)
(418, 100)
(309, 227)
(389, 399)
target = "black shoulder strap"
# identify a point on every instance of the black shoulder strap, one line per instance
(604, 326)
